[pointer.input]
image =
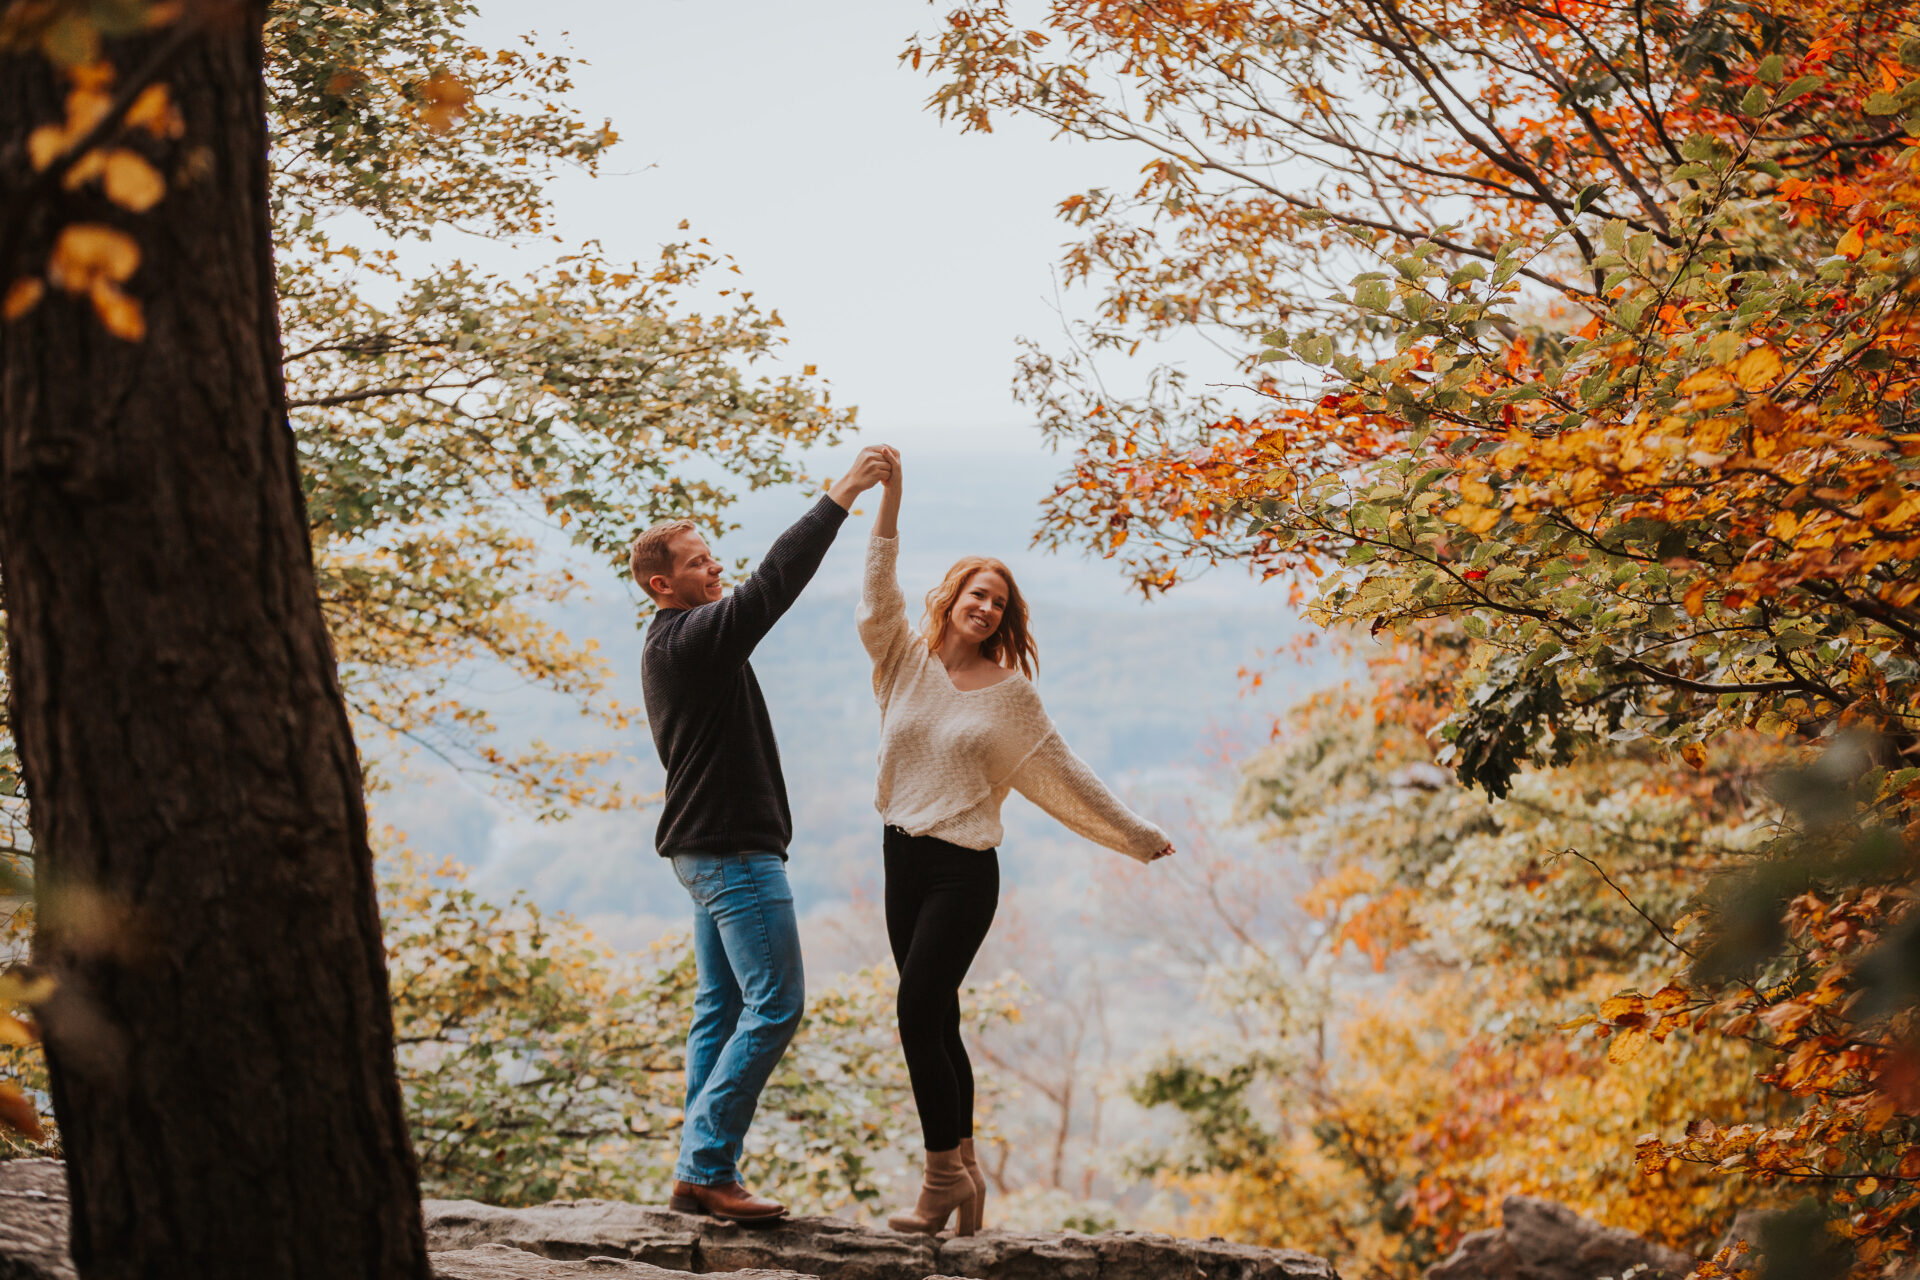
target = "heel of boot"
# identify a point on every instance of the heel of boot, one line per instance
(684, 1204)
(914, 1224)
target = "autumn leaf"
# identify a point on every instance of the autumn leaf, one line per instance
(17, 1113)
(87, 253)
(1626, 1046)
(1615, 1008)
(153, 111)
(121, 314)
(131, 182)
(1695, 600)
(1694, 754)
(448, 99)
(1758, 369)
(15, 1032)
(22, 296)
(1851, 244)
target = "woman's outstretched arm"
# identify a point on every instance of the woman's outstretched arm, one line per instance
(1061, 783)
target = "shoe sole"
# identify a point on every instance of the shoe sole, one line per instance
(680, 1204)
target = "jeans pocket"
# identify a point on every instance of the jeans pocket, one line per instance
(702, 878)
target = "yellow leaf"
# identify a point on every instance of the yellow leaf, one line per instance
(87, 252)
(17, 988)
(1626, 1046)
(1472, 517)
(1757, 369)
(120, 313)
(15, 1032)
(132, 183)
(1705, 380)
(153, 111)
(1694, 754)
(22, 295)
(84, 170)
(1851, 244)
(1615, 1007)
(45, 144)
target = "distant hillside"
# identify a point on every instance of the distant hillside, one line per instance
(1149, 693)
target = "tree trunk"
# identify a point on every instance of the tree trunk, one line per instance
(220, 1040)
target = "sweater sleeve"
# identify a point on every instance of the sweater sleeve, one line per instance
(881, 618)
(723, 634)
(1061, 783)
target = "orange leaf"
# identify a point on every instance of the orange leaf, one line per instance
(87, 253)
(1626, 1046)
(118, 312)
(15, 1032)
(22, 295)
(17, 1113)
(1614, 1008)
(1851, 244)
(1694, 754)
(1695, 600)
(153, 111)
(45, 144)
(131, 182)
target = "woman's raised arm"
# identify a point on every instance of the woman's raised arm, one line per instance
(881, 618)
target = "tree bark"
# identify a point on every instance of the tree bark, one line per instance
(220, 1039)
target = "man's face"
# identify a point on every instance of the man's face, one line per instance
(695, 577)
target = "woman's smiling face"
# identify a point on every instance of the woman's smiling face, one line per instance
(976, 613)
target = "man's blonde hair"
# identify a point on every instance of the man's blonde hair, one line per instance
(651, 553)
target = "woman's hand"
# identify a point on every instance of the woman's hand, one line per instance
(892, 482)
(1164, 853)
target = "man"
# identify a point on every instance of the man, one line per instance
(725, 824)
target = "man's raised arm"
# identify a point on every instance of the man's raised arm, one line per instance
(726, 631)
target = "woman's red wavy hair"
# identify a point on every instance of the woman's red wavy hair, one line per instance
(1011, 644)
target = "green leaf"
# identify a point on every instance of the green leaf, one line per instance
(1773, 69)
(1881, 104)
(1804, 85)
(1755, 103)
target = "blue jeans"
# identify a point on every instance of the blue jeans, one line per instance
(752, 992)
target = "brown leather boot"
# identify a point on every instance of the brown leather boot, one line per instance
(973, 1215)
(945, 1187)
(730, 1202)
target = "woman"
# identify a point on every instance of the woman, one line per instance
(960, 726)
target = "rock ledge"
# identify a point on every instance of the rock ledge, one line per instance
(603, 1238)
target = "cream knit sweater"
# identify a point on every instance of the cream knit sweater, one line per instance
(948, 757)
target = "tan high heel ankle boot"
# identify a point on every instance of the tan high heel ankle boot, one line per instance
(944, 1188)
(973, 1216)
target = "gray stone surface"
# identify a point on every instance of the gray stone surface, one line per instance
(33, 1221)
(568, 1238)
(504, 1262)
(1122, 1255)
(839, 1250)
(1545, 1240)
(682, 1241)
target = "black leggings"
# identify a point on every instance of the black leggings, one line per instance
(940, 902)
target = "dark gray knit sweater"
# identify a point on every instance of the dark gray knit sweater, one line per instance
(725, 792)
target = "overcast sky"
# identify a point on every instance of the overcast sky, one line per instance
(904, 256)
